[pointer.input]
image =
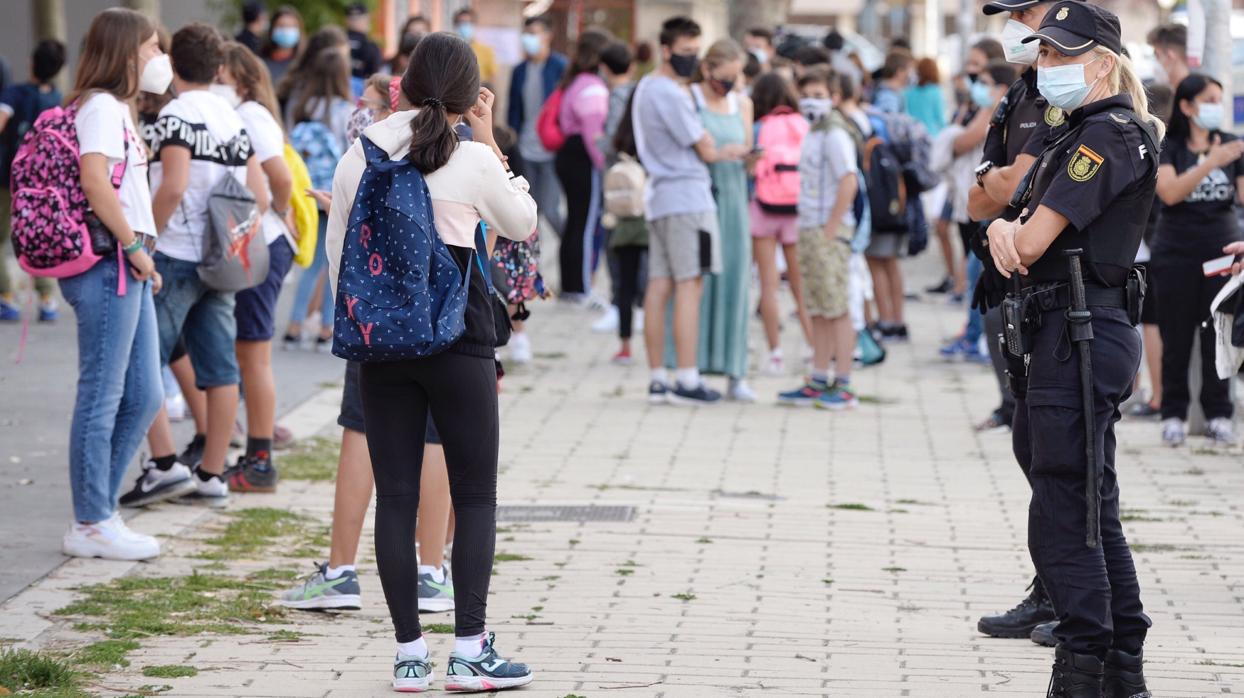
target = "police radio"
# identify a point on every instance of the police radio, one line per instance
(1014, 330)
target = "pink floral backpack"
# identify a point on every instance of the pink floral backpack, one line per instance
(51, 219)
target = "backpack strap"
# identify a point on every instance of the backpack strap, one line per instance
(481, 253)
(374, 154)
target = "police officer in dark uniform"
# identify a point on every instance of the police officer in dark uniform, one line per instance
(1085, 202)
(1019, 131)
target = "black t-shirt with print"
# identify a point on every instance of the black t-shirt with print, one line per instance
(1198, 227)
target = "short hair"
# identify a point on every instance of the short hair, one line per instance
(811, 54)
(617, 57)
(751, 69)
(992, 49)
(542, 20)
(47, 60)
(252, 11)
(927, 72)
(197, 53)
(817, 75)
(1002, 72)
(676, 28)
(761, 33)
(900, 42)
(894, 62)
(844, 85)
(1169, 36)
(834, 41)
(464, 12)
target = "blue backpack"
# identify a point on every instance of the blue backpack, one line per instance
(400, 292)
(319, 149)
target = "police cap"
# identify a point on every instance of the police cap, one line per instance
(1074, 28)
(1000, 6)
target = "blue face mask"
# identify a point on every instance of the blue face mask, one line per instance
(980, 94)
(531, 44)
(286, 37)
(1209, 116)
(466, 30)
(1064, 86)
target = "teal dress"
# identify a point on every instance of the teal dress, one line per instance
(724, 309)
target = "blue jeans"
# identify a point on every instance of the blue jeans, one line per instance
(976, 321)
(306, 283)
(546, 189)
(119, 386)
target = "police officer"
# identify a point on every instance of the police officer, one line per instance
(1018, 132)
(1090, 190)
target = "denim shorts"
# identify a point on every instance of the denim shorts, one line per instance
(351, 416)
(256, 307)
(202, 317)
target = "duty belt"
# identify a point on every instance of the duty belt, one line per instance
(1059, 297)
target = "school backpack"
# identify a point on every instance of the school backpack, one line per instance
(400, 292)
(319, 150)
(306, 213)
(624, 189)
(51, 235)
(548, 124)
(896, 166)
(235, 255)
(777, 172)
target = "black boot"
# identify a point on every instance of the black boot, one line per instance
(1019, 622)
(1125, 676)
(1044, 634)
(1075, 675)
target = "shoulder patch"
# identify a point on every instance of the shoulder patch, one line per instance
(1119, 119)
(1054, 116)
(1084, 164)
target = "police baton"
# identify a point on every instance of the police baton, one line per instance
(1080, 329)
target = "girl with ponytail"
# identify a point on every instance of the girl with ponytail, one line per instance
(469, 182)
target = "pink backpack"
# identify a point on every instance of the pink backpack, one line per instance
(777, 172)
(51, 236)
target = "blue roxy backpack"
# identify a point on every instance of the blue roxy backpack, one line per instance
(400, 292)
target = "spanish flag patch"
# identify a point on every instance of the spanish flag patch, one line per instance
(1084, 164)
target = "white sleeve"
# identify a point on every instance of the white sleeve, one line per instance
(266, 137)
(501, 200)
(101, 127)
(841, 153)
(345, 187)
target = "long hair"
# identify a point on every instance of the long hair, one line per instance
(1179, 127)
(328, 78)
(721, 52)
(587, 52)
(109, 58)
(441, 80)
(771, 91)
(269, 46)
(1123, 80)
(251, 75)
(330, 37)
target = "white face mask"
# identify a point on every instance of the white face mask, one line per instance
(227, 93)
(1016, 52)
(157, 75)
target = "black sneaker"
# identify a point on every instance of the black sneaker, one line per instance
(192, 457)
(1125, 677)
(1044, 634)
(943, 287)
(894, 333)
(699, 395)
(1019, 622)
(658, 393)
(156, 485)
(252, 474)
(487, 672)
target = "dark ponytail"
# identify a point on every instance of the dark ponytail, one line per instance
(442, 78)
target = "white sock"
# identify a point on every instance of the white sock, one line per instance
(416, 648)
(689, 377)
(470, 647)
(660, 375)
(437, 573)
(335, 572)
(776, 353)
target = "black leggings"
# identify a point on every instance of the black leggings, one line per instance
(461, 393)
(581, 182)
(1183, 304)
(629, 270)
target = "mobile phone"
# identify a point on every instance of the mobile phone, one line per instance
(1218, 266)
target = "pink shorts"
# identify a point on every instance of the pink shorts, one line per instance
(783, 227)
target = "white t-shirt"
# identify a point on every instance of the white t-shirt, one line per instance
(104, 125)
(268, 141)
(208, 126)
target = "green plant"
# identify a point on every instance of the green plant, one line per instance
(314, 459)
(170, 671)
(684, 596)
(851, 506)
(250, 531)
(24, 670)
(107, 653)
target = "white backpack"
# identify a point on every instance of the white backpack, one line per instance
(624, 188)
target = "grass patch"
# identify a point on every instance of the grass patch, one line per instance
(877, 400)
(313, 459)
(550, 578)
(1182, 503)
(550, 355)
(913, 503)
(438, 628)
(1137, 515)
(23, 670)
(827, 581)
(851, 506)
(135, 607)
(684, 596)
(624, 572)
(107, 653)
(170, 671)
(894, 570)
(1210, 662)
(898, 511)
(1153, 548)
(704, 540)
(285, 636)
(1194, 471)
(509, 557)
(251, 531)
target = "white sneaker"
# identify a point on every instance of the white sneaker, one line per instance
(1174, 432)
(740, 391)
(520, 348)
(775, 365)
(213, 491)
(607, 322)
(155, 485)
(637, 320)
(109, 539)
(1220, 430)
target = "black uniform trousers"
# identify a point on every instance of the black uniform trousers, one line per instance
(1094, 591)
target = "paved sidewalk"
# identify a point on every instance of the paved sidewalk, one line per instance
(771, 551)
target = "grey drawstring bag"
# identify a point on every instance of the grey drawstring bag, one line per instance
(235, 255)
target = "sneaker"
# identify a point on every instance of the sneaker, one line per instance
(944, 287)
(1174, 432)
(974, 355)
(290, 342)
(894, 333)
(607, 322)
(211, 491)
(253, 474)
(109, 539)
(1144, 410)
(487, 672)
(411, 674)
(622, 358)
(955, 350)
(658, 393)
(48, 311)
(282, 438)
(838, 397)
(993, 424)
(1019, 622)
(774, 366)
(434, 596)
(1221, 431)
(323, 345)
(155, 485)
(740, 391)
(9, 312)
(318, 593)
(520, 348)
(699, 395)
(192, 456)
(804, 396)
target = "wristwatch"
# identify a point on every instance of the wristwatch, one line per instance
(982, 170)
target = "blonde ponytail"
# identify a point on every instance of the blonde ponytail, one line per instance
(1123, 80)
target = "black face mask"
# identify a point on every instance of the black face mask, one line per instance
(722, 87)
(683, 65)
(972, 77)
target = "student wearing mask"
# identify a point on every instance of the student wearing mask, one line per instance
(1200, 181)
(284, 45)
(759, 42)
(531, 84)
(465, 26)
